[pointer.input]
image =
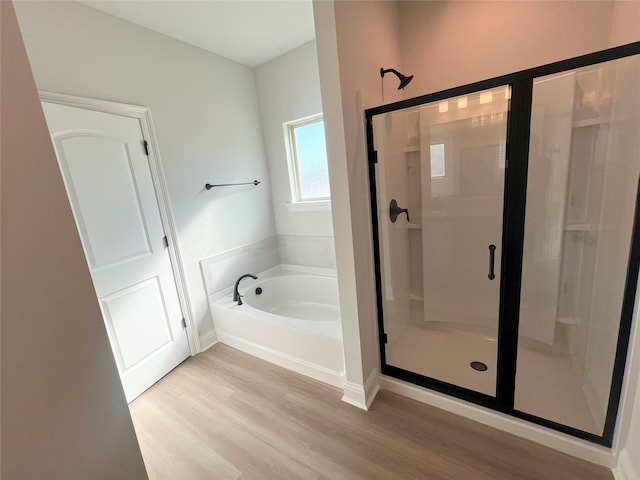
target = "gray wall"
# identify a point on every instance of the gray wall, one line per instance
(204, 107)
(289, 89)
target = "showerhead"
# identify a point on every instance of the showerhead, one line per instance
(404, 80)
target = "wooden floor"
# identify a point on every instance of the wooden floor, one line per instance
(227, 415)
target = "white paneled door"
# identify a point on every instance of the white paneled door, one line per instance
(108, 179)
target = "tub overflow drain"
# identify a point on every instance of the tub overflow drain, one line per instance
(258, 291)
(479, 366)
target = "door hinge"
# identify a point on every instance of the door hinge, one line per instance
(383, 337)
(165, 240)
(183, 322)
(373, 156)
(146, 147)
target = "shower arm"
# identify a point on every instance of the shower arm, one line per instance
(404, 79)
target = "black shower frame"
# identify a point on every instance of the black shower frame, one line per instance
(517, 154)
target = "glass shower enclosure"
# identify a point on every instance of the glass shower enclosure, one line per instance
(506, 246)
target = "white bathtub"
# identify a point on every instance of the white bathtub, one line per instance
(294, 321)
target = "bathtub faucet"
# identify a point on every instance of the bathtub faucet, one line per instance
(236, 295)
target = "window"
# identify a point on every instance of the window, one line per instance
(437, 160)
(307, 159)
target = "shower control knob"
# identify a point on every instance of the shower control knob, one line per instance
(395, 210)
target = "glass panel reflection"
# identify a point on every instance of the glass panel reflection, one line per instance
(584, 163)
(445, 163)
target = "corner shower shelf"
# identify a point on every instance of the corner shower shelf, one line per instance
(416, 298)
(571, 320)
(414, 226)
(594, 121)
(581, 227)
(589, 122)
(413, 148)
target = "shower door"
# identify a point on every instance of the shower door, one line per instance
(444, 162)
(506, 234)
(577, 275)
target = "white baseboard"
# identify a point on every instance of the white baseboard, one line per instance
(208, 340)
(361, 396)
(544, 436)
(371, 388)
(298, 365)
(353, 394)
(626, 470)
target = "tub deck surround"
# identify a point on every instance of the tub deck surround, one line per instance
(266, 325)
(220, 271)
(297, 299)
(307, 250)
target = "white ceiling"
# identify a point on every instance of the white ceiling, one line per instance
(250, 32)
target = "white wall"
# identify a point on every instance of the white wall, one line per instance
(64, 414)
(632, 447)
(446, 44)
(204, 107)
(289, 89)
(354, 40)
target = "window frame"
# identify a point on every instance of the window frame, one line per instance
(292, 161)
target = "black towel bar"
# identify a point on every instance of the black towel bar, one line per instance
(209, 186)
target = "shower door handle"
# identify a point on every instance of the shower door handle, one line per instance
(492, 258)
